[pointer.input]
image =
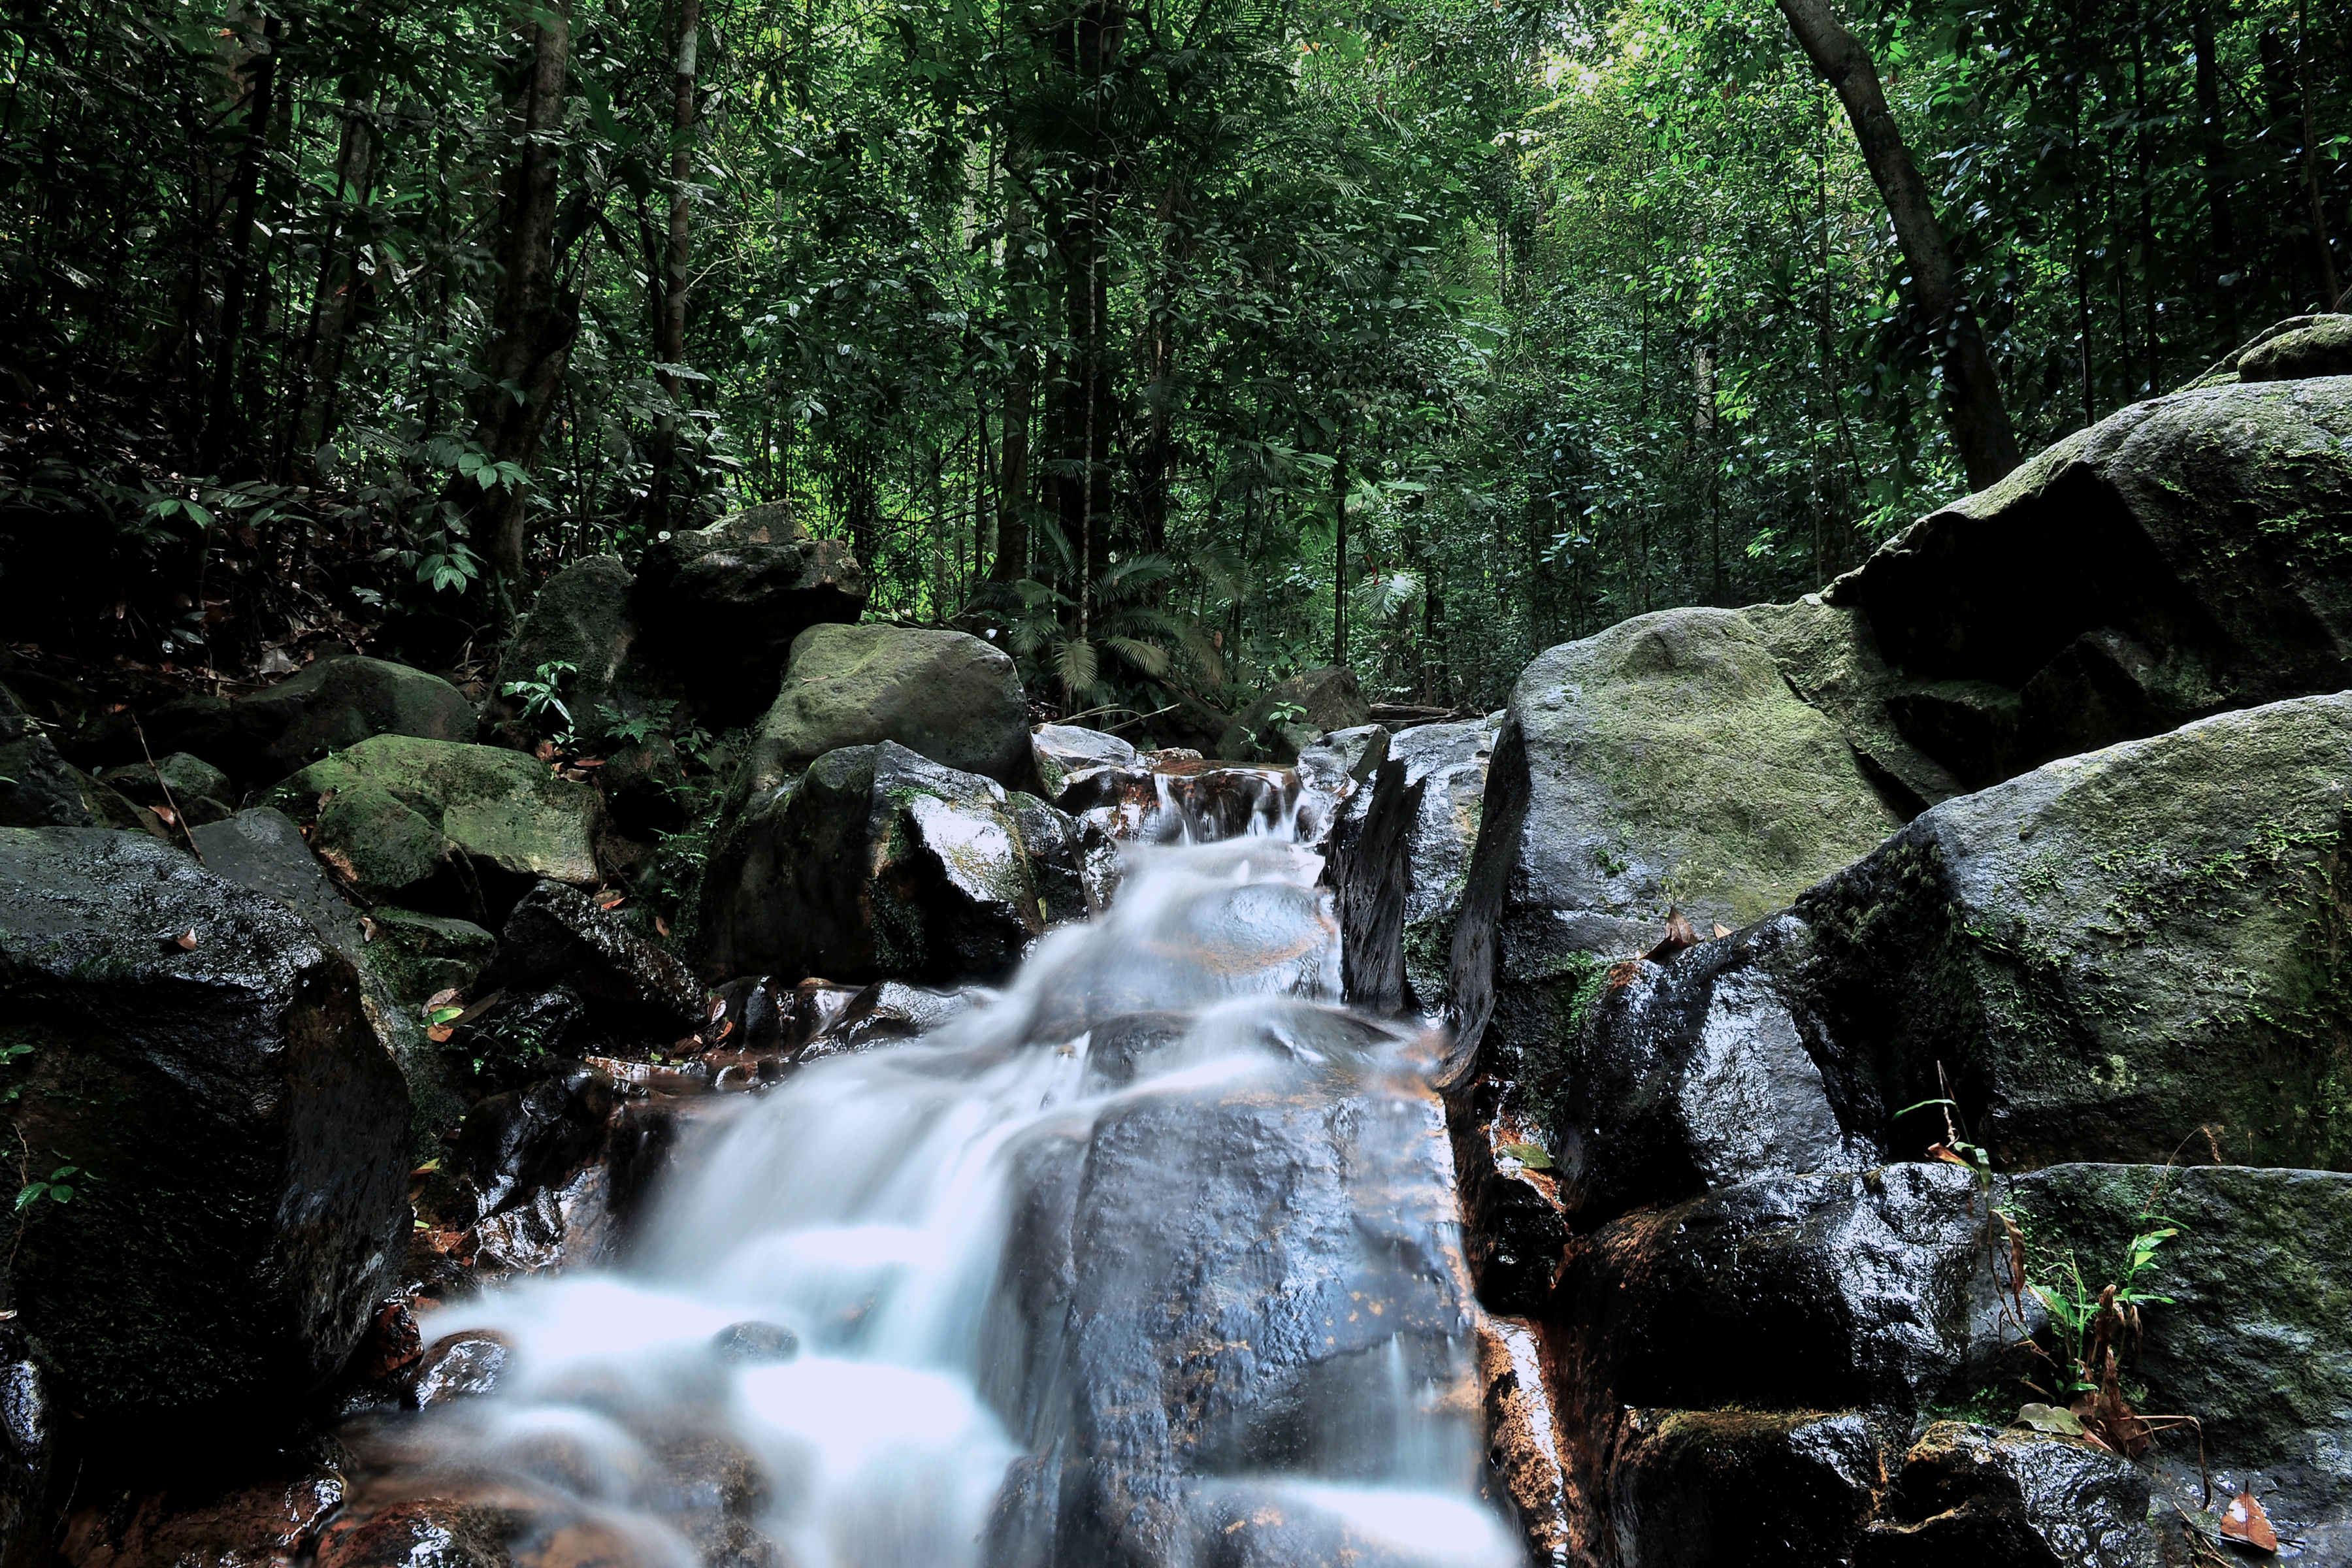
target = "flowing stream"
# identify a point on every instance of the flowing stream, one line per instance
(1152, 1259)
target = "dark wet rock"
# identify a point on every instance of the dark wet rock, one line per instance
(236, 1127)
(1830, 658)
(43, 789)
(2250, 1339)
(27, 1452)
(1871, 1292)
(1063, 750)
(2185, 562)
(1194, 1310)
(1523, 1442)
(2297, 350)
(334, 703)
(421, 955)
(201, 1522)
(2107, 954)
(1181, 800)
(190, 782)
(726, 601)
(641, 1154)
(463, 830)
(1398, 862)
(263, 850)
(519, 1142)
(880, 862)
(420, 1533)
(463, 1365)
(1696, 1075)
(1711, 1488)
(558, 935)
(1296, 714)
(562, 1225)
(581, 618)
(946, 696)
(756, 1343)
(1971, 1496)
(886, 1012)
(1125, 1046)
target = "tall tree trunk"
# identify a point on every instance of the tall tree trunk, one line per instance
(237, 279)
(337, 302)
(1011, 563)
(2213, 157)
(1339, 554)
(669, 334)
(1973, 407)
(532, 324)
(2330, 295)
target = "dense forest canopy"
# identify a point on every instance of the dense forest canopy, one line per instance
(1182, 346)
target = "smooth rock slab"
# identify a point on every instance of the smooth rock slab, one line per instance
(1971, 1495)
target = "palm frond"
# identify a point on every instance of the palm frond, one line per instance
(1151, 659)
(1074, 662)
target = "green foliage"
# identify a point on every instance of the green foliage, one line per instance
(58, 1188)
(542, 693)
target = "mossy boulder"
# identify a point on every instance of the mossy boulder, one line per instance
(1829, 657)
(420, 954)
(1296, 714)
(2250, 1337)
(338, 702)
(444, 827)
(950, 697)
(727, 602)
(2313, 345)
(879, 863)
(2108, 953)
(581, 619)
(2183, 556)
(200, 1057)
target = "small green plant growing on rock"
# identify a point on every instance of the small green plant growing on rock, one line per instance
(543, 692)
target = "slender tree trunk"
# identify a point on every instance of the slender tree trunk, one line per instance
(532, 323)
(1340, 534)
(669, 333)
(337, 304)
(2331, 296)
(236, 278)
(2213, 157)
(1973, 408)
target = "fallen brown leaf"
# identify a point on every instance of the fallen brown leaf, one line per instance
(439, 1033)
(441, 998)
(661, 925)
(1679, 935)
(187, 939)
(1721, 930)
(2244, 1520)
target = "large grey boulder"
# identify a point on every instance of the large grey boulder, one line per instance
(2183, 556)
(725, 602)
(950, 697)
(880, 863)
(2107, 954)
(199, 1055)
(338, 702)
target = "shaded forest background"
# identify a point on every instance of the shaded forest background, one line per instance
(1182, 346)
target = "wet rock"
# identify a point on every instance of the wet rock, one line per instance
(1132, 1043)
(1063, 751)
(557, 935)
(1830, 658)
(726, 603)
(1201, 1312)
(755, 1344)
(1873, 1292)
(334, 703)
(1398, 862)
(1970, 1495)
(200, 1058)
(1695, 1489)
(889, 1011)
(197, 1523)
(262, 849)
(196, 786)
(43, 790)
(537, 1136)
(2106, 954)
(714, 1491)
(1344, 758)
(463, 1365)
(1663, 764)
(1695, 1075)
(27, 1451)
(2249, 1338)
(1295, 714)
(2308, 346)
(423, 1532)
(1517, 1227)
(2184, 563)
(946, 696)
(581, 618)
(559, 1226)
(1522, 1440)
(881, 862)
(462, 830)
(420, 954)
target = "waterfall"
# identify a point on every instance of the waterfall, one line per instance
(1152, 1259)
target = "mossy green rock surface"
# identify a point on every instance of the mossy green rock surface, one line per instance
(445, 828)
(2253, 1339)
(880, 863)
(2107, 954)
(947, 696)
(338, 702)
(200, 1055)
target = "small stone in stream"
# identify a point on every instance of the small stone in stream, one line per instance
(887, 1011)
(515, 1143)
(817, 1007)
(1066, 750)
(460, 1366)
(420, 1533)
(756, 1343)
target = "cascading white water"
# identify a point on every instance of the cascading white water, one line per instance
(1160, 1230)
